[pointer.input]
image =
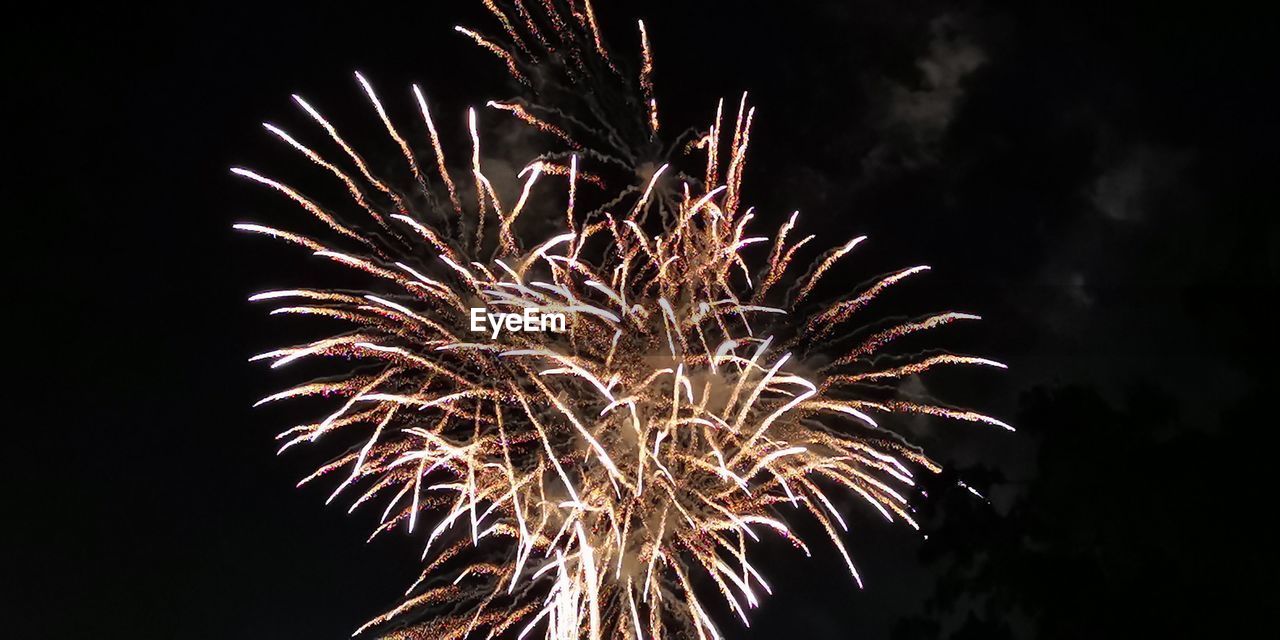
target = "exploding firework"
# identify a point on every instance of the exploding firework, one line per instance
(600, 481)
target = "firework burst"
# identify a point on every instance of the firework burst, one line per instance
(604, 480)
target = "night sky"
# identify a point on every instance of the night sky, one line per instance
(1097, 181)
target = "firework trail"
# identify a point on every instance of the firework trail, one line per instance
(604, 480)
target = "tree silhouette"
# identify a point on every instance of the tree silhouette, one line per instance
(1130, 528)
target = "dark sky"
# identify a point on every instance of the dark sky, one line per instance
(1098, 181)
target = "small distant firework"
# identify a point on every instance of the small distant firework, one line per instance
(598, 482)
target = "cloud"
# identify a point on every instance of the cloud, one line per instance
(929, 108)
(1125, 188)
(916, 115)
